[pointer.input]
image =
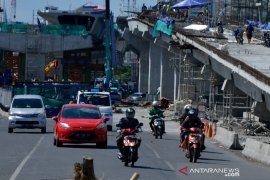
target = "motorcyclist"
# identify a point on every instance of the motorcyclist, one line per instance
(192, 120)
(155, 111)
(126, 122)
(186, 108)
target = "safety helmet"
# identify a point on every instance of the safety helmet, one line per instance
(192, 113)
(130, 113)
(155, 104)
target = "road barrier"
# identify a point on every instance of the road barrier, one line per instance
(227, 138)
(257, 150)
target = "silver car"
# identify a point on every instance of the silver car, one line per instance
(27, 112)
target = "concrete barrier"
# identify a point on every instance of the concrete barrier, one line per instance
(257, 150)
(227, 138)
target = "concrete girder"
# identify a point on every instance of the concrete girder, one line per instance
(133, 40)
(247, 87)
(222, 70)
(133, 23)
(234, 69)
(173, 49)
(201, 56)
(267, 100)
(42, 43)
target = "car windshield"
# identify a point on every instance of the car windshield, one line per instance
(95, 99)
(81, 112)
(27, 103)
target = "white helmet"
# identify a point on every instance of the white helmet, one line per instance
(155, 104)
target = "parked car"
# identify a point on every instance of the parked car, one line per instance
(80, 123)
(27, 112)
(101, 100)
(136, 97)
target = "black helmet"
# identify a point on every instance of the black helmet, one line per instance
(192, 113)
(130, 113)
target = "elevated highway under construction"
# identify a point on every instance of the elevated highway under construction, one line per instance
(231, 79)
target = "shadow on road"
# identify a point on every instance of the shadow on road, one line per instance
(214, 159)
(152, 168)
(88, 146)
(28, 132)
(212, 152)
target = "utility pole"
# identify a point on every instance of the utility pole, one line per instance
(108, 68)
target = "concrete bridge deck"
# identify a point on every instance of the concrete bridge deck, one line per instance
(247, 66)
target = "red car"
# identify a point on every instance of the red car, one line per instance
(80, 123)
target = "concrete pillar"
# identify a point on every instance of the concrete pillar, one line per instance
(34, 66)
(155, 53)
(144, 70)
(166, 76)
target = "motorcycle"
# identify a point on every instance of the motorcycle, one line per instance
(194, 144)
(158, 125)
(131, 143)
(267, 39)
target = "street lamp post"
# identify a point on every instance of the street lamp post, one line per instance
(259, 12)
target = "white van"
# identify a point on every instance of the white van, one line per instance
(27, 112)
(100, 99)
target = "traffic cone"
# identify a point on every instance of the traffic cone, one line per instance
(206, 129)
(214, 130)
(209, 134)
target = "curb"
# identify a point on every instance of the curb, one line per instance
(228, 139)
(257, 150)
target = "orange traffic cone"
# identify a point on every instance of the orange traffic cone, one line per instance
(206, 128)
(214, 128)
(209, 134)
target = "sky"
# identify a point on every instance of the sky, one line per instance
(26, 10)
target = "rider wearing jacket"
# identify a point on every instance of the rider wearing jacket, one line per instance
(127, 122)
(155, 111)
(192, 120)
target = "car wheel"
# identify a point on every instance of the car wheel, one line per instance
(109, 128)
(43, 130)
(58, 143)
(10, 130)
(103, 145)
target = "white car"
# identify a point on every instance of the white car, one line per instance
(27, 112)
(100, 99)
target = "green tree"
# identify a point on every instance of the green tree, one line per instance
(122, 73)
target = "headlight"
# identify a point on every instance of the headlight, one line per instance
(12, 114)
(64, 125)
(100, 126)
(42, 114)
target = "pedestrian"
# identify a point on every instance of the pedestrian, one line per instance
(249, 31)
(144, 8)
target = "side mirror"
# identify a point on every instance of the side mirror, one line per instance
(106, 118)
(141, 124)
(55, 118)
(47, 106)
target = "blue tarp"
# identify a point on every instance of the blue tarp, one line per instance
(267, 26)
(189, 4)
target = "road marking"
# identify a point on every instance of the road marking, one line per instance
(155, 152)
(19, 168)
(169, 165)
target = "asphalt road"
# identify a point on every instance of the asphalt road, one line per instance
(30, 155)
